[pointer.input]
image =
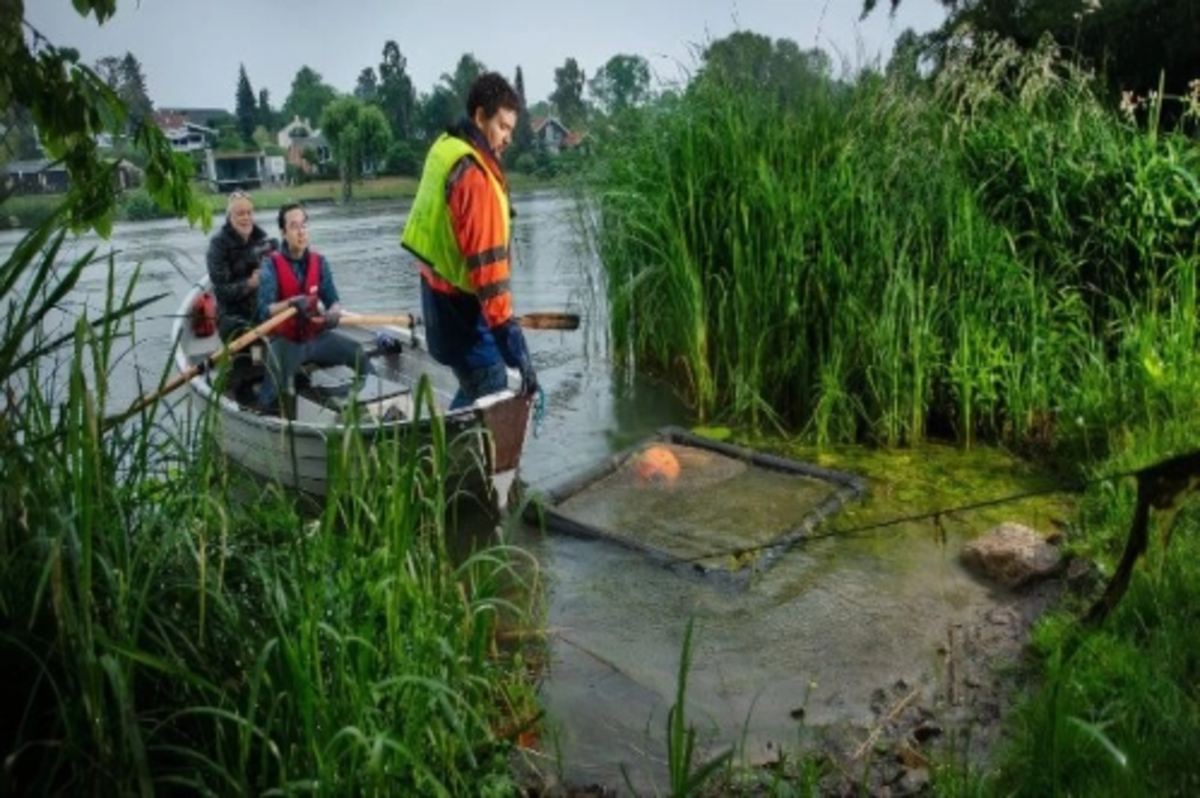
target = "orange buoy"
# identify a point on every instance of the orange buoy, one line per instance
(657, 464)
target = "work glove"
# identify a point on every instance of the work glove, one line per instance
(529, 380)
(306, 306)
(511, 343)
(332, 318)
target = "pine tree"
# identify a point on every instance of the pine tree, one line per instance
(266, 116)
(523, 135)
(132, 90)
(247, 108)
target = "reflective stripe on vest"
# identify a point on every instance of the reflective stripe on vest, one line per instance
(298, 330)
(429, 232)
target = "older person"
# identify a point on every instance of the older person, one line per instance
(299, 277)
(234, 254)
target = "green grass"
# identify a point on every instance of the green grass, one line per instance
(162, 634)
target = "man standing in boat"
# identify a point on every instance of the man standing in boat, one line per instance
(299, 277)
(459, 229)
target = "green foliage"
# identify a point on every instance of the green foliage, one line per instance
(623, 82)
(358, 135)
(246, 107)
(567, 97)
(71, 105)
(211, 643)
(308, 97)
(439, 110)
(685, 777)
(894, 259)
(138, 206)
(402, 159)
(395, 94)
(459, 83)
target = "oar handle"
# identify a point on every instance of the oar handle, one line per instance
(233, 347)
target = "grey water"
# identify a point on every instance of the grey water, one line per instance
(804, 646)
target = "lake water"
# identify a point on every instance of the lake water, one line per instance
(804, 646)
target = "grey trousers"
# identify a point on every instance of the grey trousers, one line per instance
(285, 357)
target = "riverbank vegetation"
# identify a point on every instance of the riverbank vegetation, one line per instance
(27, 211)
(994, 253)
(167, 626)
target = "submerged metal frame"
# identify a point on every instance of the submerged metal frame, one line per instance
(543, 506)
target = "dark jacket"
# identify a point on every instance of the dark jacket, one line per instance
(231, 261)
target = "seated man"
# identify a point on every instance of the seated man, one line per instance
(299, 277)
(234, 254)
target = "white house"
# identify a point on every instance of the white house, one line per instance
(185, 136)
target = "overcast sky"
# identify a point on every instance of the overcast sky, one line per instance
(190, 51)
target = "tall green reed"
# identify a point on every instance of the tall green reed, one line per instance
(170, 626)
(891, 259)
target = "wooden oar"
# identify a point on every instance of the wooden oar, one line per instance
(234, 346)
(532, 321)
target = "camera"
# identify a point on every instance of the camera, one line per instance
(266, 248)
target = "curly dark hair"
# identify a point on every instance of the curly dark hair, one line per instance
(491, 92)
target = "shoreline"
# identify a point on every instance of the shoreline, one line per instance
(23, 212)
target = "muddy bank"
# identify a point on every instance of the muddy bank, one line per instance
(956, 713)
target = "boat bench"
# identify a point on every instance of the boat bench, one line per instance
(329, 396)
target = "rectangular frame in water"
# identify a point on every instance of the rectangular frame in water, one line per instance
(668, 496)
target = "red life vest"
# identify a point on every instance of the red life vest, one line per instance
(204, 314)
(298, 330)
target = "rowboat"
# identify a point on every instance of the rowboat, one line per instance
(485, 439)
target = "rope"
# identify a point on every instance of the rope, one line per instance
(539, 411)
(935, 515)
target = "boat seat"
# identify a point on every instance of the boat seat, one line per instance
(331, 386)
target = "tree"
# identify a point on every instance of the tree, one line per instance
(468, 69)
(358, 135)
(309, 96)
(367, 86)
(623, 82)
(396, 95)
(750, 63)
(567, 97)
(266, 115)
(246, 107)
(124, 76)
(438, 110)
(133, 90)
(71, 105)
(1129, 43)
(109, 70)
(522, 142)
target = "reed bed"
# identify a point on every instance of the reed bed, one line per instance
(167, 627)
(993, 255)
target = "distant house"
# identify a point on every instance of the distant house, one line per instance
(232, 170)
(297, 137)
(204, 117)
(47, 177)
(553, 136)
(184, 136)
(36, 177)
